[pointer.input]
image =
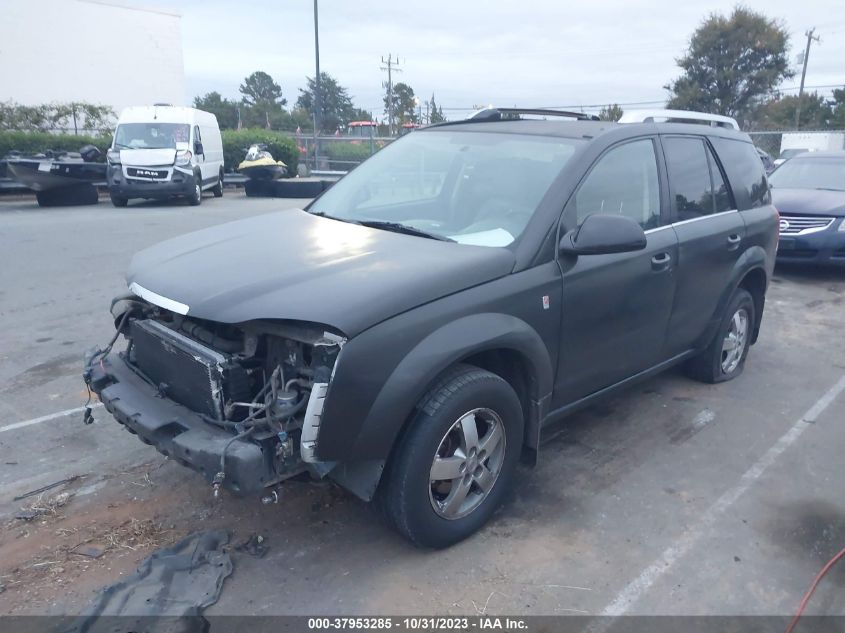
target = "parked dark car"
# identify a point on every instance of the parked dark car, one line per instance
(809, 193)
(768, 161)
(412, 331)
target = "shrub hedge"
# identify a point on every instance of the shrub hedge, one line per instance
(281, 146)
(35, 142)
(235, 143)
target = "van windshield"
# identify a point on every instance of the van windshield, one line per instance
(151, 135)
(477, 188)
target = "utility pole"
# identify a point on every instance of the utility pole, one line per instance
(391, 66)
(317, 104)
(810, 38)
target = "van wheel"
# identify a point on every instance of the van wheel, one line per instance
(118, 201)
(218, 188)
(195, 198)
(452, 468)
(724, 358)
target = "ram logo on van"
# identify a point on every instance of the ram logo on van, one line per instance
(147, 173)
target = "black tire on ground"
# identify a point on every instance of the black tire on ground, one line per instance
(195, 196)
(218, 188)
(68, 196)
(714, 363)
(407, 496)
(118, 201)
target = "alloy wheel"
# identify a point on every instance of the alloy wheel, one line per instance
(733, 345)
(467, 463)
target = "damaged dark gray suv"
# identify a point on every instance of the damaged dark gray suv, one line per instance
(411, 332)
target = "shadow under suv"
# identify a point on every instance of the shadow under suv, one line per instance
(411, 332)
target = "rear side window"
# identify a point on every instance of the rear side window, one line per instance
(724, 202)
(745, 172)
(624, 181)
(689, 176)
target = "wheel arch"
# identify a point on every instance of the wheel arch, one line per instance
(499, 343)
(749, 273)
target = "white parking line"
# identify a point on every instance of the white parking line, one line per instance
(47, 418)
(637, 587)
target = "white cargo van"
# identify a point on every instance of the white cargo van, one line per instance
(162, 151)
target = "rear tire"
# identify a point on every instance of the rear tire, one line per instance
(454, 464)
(218, 188)
(724, 358)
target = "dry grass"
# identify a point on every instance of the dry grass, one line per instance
(134, 534)
(48, 505)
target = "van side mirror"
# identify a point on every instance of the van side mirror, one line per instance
(603, 234)
(198, 149)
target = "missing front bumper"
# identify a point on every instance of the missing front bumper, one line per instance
(177, 432)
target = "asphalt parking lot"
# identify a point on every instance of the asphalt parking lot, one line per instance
(673, 498)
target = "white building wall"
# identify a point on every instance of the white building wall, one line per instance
(89, 50)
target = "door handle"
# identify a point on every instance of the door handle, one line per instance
(733, 242)
(661, 261)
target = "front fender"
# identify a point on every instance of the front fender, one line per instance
(364, 426)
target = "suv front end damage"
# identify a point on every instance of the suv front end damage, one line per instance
(239, 403)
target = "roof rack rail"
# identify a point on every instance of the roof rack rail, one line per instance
(500, 114)
(679, 116)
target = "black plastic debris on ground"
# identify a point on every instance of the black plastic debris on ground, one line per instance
(255, 545)
(167, 593)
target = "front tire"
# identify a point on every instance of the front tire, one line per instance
(724, 358)
(454, 464)
(118, 201)
(195, 197)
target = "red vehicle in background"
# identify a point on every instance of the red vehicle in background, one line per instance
(362, 129)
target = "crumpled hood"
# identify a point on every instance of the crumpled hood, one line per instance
(147, 157)
(295, 265)
(809, 201)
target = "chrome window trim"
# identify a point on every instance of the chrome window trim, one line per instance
(682, 222)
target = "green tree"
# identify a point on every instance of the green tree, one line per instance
(837, 115)
(77, 116)
(226, 110)
(435, 112)
(404, 107)
(262, 97)
(611, 112)
(779, 113)
(360, 114)
(336, 109)
(731, 64)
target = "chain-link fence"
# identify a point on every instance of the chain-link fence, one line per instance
(771, 141)
(338, 153)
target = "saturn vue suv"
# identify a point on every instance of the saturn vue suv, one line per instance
(411, 332)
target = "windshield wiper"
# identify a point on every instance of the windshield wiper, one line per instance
(398, 227)
(828, 189)
(122, 145)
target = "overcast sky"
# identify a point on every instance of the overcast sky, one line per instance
(527, 53)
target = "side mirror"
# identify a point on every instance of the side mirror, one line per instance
(198, 150)
(603, 234)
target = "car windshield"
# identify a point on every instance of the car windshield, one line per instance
(471, 187)
(151, 135)
(789, 153)
(810, 173)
